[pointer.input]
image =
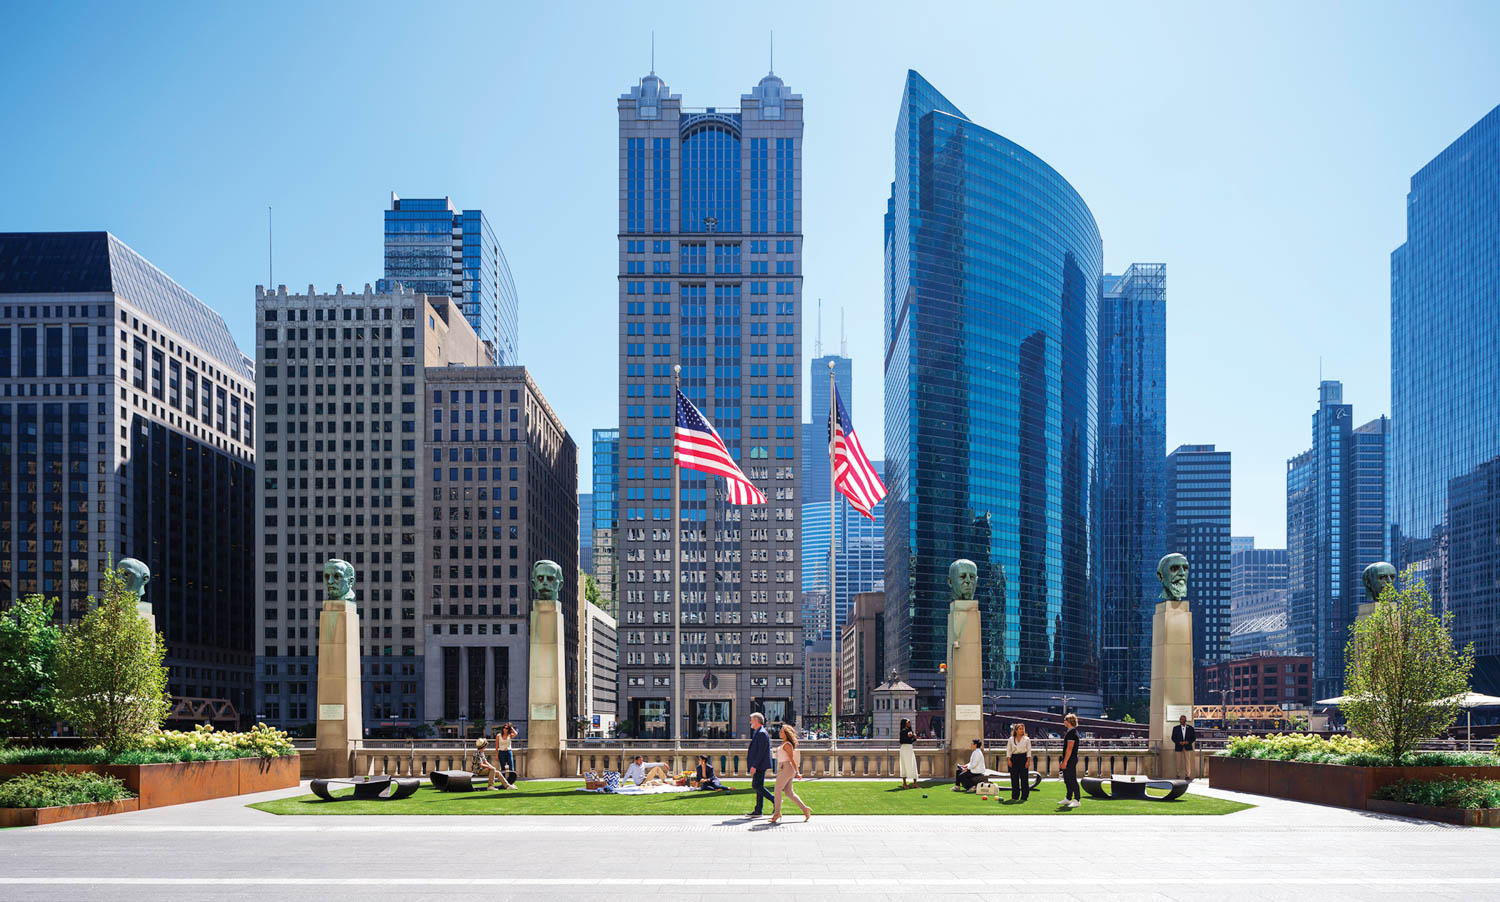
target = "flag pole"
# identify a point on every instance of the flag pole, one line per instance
(676, 587)
(833, 594)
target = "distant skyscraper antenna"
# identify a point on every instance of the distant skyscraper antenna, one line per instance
(773, 51)
(843, 338)
(270, 259)
(818, 345)
(653, 51)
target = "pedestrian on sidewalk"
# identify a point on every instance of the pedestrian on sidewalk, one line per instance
(788, 768)
(908, 754)
(1070, 762)
(1018, 754)
(759, 761)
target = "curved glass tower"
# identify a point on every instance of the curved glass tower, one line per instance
(992, 279)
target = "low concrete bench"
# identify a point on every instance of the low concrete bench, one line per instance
(1133, 787)
(452, 781)
(382, 788)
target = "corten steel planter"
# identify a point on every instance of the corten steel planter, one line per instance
(1465, 817)
(157, 785)
(1325, 784)
(32, 817)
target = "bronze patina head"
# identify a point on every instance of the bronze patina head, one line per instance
(1377, 576)
(1172, 570)
(338, 580)
(136, 575)
(546, 580)
(963, 579)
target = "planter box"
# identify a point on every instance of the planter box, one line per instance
(1325, 784)
(31, 817)
(1466, 817)
(156, 785)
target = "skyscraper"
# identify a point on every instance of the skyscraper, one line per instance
(1445, 364)
(1257, 599)
(1131, 510)
(127, 429)
(432, 248)
(586, 532)
(1340, 512)
(990, 319)
(1198, 526)
(860, 551)
(817, 478)
(606, 469)
(710, 263)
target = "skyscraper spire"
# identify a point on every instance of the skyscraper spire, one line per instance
(653, 51)
(818, 345)
(773, 51)
(843, 338)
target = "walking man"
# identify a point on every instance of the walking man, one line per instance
(759, 761)
(1183, 737)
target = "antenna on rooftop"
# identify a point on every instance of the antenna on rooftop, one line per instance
(270, 260)
(818, 345)
(653, 51)
(773, 51)
(843, 338)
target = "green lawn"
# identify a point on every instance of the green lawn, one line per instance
(825, 797)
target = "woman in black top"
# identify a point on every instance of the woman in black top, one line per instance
(908, 754)
(1070, 762)
(704, 777)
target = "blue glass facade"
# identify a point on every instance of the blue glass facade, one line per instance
(816, 471)
(990, 320)
(1198, 496)
(860, 544)
(432, 248)
(1131, 509)
(1445, 364)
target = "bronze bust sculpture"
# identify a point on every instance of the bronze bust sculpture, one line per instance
(1172, 570)
(1377, 577)
(338, 580)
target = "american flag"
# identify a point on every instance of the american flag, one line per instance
(697, 446)
(853, 475)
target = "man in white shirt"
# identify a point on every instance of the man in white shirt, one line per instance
(637, 774)
(972, 774)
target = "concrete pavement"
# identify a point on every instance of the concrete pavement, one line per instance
(223, 850)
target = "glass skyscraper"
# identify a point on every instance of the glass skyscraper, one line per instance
(1445, 367)
(1335, 528)
(710, 278)
(816, 471)
(606, 519)
(1198, 526)
(990, 320)
(861, 560)
(1131, 511)
(434, 249)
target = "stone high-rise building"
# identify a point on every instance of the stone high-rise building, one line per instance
(710, 277)
(128, 429)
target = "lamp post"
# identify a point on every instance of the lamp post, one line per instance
(1064, 699)
(1224, 705)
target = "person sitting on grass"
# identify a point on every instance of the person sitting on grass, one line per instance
(972, 774)
(637, 774)
(482, 766)
(704, 777)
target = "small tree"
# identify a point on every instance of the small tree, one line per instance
(591, 592)
(28, 662)
(110, 679)
(1403, 676)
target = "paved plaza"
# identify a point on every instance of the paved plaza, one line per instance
(223, 850)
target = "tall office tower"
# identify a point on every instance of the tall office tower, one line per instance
(342, 381)
(585, 533)
(127, 429)
(1257, 599)
(1198, 526)
(606, 469)
(1340, 529)
(710, 264)
(816, 469)
(991, 304)
(432, 248)
(1130, 514)
(862, 653)
(598, 669)
(504, 495)
(860, 562)
(1445, 363)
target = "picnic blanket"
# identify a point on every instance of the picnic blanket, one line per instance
(630, 789)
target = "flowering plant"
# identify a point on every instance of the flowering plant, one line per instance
(260, 741)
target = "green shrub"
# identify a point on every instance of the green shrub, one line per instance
(165, 747)
(1347, 750)
(46, 790)
(1458, 793)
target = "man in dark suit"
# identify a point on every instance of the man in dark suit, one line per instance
(1183, 737)
(759, 760)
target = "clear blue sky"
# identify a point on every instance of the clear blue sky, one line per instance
(1262, 151)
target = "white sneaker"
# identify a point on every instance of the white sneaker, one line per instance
(1073, 804)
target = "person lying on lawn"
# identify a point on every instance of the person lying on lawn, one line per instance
(637, 774)
(483, 766)
(704, 777)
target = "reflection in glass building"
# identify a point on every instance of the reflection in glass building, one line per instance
(991, 297)
(127, 429)
(432, 248)
(1197, 513)
(1131, 514)
(1445, 366)
(606, 512)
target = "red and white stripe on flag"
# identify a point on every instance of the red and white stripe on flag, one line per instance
(696, 446)
(853, 474)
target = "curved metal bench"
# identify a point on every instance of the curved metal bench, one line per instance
(384, 789)
(1001, 778)
(1133, 787)
(452, 780)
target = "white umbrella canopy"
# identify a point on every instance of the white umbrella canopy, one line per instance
(1476, 700)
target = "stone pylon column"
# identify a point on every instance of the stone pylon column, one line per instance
(546, 696)
(1171, 675)
(963, 706)
(340, 724)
